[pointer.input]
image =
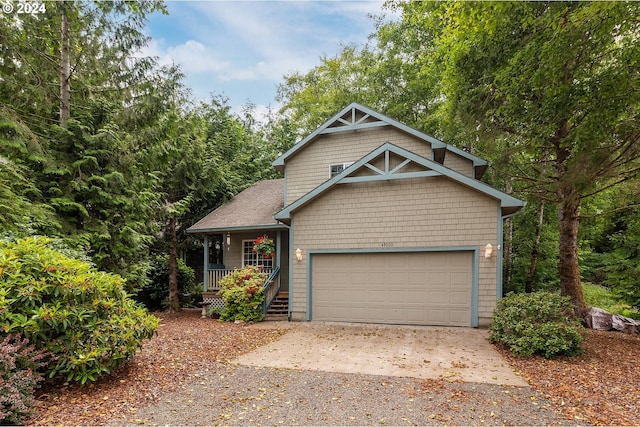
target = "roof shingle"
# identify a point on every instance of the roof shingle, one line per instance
(252, 208)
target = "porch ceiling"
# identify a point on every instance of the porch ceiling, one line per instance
(251, 209)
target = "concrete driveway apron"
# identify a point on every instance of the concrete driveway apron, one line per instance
(427, 352)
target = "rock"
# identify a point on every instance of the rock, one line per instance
(599, 319)
(624, 324)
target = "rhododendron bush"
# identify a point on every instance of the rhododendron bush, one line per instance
(243, 294)
(65, 306)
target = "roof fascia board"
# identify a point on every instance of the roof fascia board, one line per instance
(237, 228)
(505, 199)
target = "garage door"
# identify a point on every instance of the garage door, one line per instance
(415, 288)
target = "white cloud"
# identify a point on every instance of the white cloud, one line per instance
(193, 56)
(243, 49)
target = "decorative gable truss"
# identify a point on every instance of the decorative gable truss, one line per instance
(353, 118)
(357, 117)
(390, 162)
(389, 165)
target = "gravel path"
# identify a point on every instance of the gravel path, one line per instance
(230, 394)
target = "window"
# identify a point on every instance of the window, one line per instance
(336, 169)
(249, 257)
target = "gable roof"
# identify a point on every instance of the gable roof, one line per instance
(509, 204)
(252, 208)
(348, 119)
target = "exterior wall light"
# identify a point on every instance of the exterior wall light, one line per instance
(299, 254)
(488, 250)
(228, 241)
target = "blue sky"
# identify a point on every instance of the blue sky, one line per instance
(242, 49)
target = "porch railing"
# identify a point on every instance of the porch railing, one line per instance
(270, 288)
(214, 276)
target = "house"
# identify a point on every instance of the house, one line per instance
(373, 222)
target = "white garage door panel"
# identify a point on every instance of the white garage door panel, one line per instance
(422, 288)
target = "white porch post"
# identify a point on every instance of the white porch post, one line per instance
(206, 263)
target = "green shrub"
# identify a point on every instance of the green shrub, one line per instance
(65, 306)
(19, 375)
(606, 299)
(155, 295)
(243, 294)
(538, 323)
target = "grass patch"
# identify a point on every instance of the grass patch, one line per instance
(601, 297)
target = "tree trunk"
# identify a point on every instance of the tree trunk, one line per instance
(531, 274)
(174, 298)
(569, 219)
(569, 202)
(65, 70)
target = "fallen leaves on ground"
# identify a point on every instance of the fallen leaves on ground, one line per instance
(600, 387)
(185, 345)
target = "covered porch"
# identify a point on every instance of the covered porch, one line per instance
(229, 235)
(229, 250)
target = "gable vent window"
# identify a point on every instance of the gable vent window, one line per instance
(336, 169)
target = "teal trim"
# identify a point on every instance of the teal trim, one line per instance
(387, 177)
(375, 169)
(475, 267)
(309, 307)
(506, 201)
(353, 127)
(278, 247)
(266, 289)
(205, 263)
(392, 250)
(475, 277)
(386, 161)
(241, 228)
(400, 166)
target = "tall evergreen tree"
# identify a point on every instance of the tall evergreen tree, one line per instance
(560, 79)
(72, 77)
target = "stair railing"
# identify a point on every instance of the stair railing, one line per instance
(270, 289)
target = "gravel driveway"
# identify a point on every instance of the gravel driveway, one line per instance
(236, 394)
(243, 395)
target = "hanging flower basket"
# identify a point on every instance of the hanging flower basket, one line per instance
(264, 245)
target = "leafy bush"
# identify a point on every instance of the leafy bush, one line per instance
(155, 295)
(538, 323)
(65, 306)
(19, 376)
(243, 294)
(606, 299)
